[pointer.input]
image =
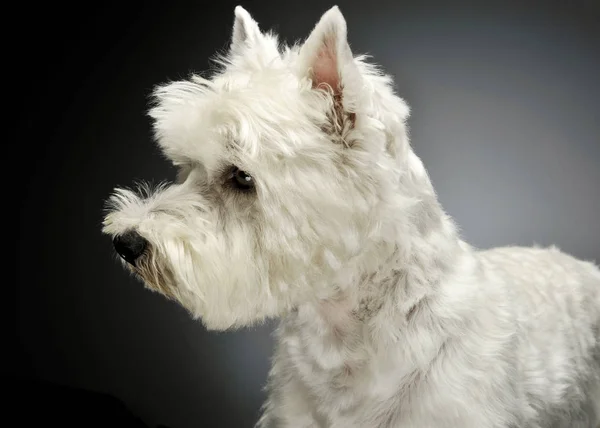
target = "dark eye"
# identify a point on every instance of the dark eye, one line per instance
(241, 180)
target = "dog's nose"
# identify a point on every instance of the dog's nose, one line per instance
(130, 246)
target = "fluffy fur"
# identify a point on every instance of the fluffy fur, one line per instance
(388, 319)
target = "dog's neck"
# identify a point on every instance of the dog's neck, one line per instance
(425, 254)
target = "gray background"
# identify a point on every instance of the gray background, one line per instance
(506, 118)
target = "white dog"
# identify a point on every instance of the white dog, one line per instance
(299, 197)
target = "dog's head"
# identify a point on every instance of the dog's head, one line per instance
(289, 169)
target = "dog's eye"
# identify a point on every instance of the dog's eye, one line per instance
(241, 180)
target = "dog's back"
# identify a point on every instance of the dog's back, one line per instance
(556, 302)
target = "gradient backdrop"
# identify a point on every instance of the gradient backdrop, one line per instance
(505, 99)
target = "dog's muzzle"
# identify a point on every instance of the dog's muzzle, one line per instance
(130, 246)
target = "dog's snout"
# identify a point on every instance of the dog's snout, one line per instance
(130, 246)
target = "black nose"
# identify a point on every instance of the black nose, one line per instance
(130, 246)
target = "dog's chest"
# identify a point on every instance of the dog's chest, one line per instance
(351, 385)
(333, 357)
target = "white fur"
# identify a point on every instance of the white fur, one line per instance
(388, 319)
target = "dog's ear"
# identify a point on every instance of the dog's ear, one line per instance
(326, 57)
(245, 30)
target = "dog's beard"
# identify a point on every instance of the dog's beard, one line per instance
(155, 273)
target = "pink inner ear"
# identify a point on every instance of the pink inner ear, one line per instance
(325, 70)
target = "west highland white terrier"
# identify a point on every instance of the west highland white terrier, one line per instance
(299, 197)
